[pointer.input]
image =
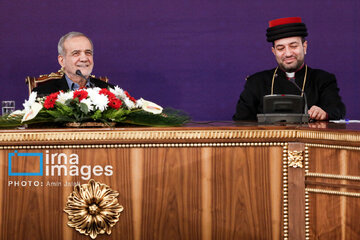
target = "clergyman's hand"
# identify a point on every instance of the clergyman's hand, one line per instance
(317, 113)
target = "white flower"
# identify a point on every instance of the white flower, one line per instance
(33, 111)
(27, 104)
(129, 104)
(100, 101)
(119, 93)
(88, 103)
(17, 113)
(62, 97)
(93, 91)
(139, 103)
(41, 100)
(151, 107)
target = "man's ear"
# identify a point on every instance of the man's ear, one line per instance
(305, 45)
(273, 50)
(61, 60)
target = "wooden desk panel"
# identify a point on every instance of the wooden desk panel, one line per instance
(167, 192)
(334, 183)
(190, 183)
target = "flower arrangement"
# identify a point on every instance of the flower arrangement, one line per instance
(92, 105)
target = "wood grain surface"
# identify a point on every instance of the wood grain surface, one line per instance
(167, 193)
(185, 183)
(334, 216)
(296, 189)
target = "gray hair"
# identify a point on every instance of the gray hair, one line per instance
(61, 49)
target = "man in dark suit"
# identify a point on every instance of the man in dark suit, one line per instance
(76, 59)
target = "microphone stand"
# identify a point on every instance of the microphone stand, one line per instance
(302, 93)
(78, 72)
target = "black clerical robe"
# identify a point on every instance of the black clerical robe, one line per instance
(320, 87)
(56, 85)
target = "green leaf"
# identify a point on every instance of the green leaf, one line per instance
(69, 102)
(84, 108)
(97, 115)
(169, 117)
(10, 122)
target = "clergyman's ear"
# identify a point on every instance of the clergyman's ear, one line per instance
(305, 45)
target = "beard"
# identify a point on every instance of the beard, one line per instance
(292, 67)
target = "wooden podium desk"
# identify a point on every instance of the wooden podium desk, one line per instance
(228, 181)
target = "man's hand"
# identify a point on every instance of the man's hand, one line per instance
(317, 113)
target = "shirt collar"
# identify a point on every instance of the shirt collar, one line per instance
(290, 74)
(74, 86)
(298, 73)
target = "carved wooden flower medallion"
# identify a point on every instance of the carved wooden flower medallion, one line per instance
(295, 159)
(93, 208)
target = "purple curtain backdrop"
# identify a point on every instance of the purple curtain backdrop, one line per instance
(191, 55)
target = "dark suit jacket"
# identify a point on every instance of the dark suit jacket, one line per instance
(60, 84)
(321, 90)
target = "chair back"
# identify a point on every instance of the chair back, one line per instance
(33, 82)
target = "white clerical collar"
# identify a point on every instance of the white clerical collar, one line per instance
(290, 74)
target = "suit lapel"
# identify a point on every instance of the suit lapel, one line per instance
(62, 84)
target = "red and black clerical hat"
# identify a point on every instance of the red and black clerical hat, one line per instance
(285, 27)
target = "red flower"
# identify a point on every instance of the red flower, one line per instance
(114, 102)
(81, 94)
(106, 92)
(130, 97)
(50, 100)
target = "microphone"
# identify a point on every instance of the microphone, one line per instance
(78, 72)
(303, 93)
